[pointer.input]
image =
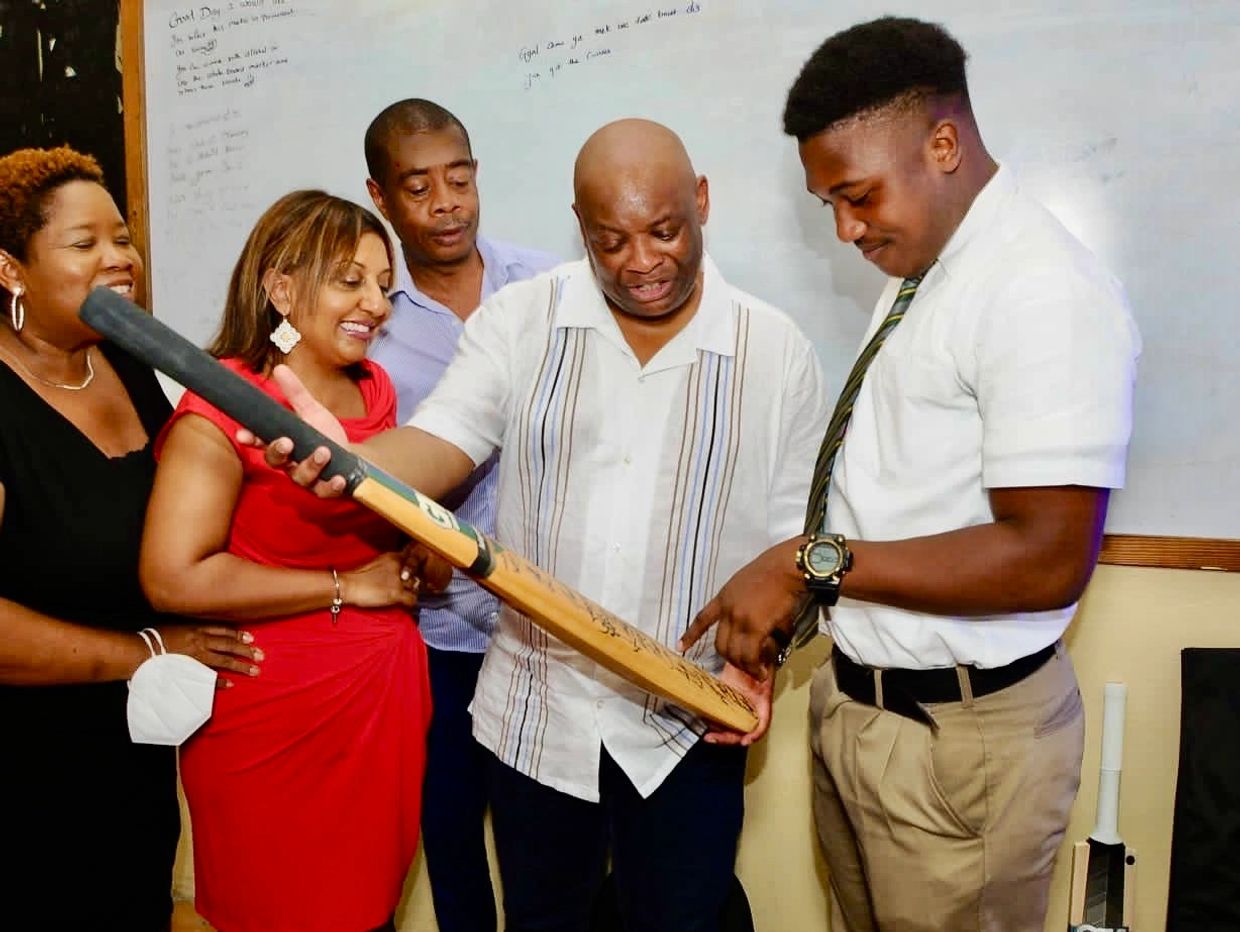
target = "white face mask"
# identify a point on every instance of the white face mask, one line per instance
(170, 695)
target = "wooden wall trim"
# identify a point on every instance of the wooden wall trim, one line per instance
(1186, 553)
(133, 105)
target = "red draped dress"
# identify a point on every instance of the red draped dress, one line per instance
(305, 786)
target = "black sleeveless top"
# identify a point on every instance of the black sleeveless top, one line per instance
(90, 820)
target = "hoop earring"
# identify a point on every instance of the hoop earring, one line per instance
(285, 336)
(17, 311)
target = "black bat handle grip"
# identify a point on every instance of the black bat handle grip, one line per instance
(159, 346)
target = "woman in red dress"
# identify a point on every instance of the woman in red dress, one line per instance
(304, 788)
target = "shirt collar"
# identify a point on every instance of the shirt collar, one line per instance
(403, 280)
(712, 329)
(496, 272)
(495, 275)
(987, 205)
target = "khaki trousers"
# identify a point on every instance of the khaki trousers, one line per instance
(953, 830)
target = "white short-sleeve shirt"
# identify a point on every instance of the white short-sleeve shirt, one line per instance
(1013, 366)
(643, 487)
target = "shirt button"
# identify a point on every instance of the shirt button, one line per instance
(628, 461)
(599, 705)
(615, 547)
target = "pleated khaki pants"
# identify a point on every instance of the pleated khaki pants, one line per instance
(953, 830)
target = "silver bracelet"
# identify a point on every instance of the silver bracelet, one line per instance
(338, 600)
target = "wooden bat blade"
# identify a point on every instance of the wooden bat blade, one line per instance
(563, 612)
(556, 608)
(1076, 889)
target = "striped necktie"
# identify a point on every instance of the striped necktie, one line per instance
(816, 511)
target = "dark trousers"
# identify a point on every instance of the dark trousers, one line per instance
(454, 799)
(672, 854)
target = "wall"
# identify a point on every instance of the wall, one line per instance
(1131, 627)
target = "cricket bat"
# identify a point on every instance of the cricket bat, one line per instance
(1103, 867)
(553, 606)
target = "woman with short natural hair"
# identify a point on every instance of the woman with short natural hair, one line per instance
(86, 811)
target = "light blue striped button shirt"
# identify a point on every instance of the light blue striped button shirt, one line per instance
(415, 346)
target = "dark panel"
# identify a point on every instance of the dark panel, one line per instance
(1205, 872)
(60, 81)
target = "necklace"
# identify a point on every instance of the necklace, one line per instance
(90, 374)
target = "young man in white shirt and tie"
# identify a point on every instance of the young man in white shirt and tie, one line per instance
(957, 508)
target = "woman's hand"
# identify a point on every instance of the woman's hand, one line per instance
(385, 580)
(431, 571)
(219, 647)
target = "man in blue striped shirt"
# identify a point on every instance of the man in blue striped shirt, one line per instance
(422, 179)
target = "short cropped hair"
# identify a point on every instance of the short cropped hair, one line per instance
(870, 66)
(28, 179)
(414, 115)
(305, 234)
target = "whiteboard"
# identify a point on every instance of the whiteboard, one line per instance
(1123, 116)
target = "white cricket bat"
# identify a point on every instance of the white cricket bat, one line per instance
(1103, 867)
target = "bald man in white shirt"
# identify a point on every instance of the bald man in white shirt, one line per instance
(951, 534)
(658, 429)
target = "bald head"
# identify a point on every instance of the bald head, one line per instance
(632, 150)
(641, 209)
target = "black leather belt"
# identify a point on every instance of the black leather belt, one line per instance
(905, 691)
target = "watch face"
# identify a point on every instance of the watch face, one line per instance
(823, 558)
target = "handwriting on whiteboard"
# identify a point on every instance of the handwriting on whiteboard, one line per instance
(206, 158)
(228, 44)
(559, 56)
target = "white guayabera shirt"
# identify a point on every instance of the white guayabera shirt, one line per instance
(644, 488)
